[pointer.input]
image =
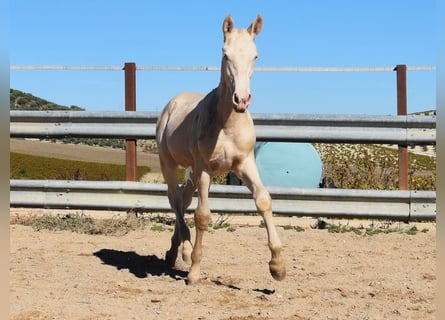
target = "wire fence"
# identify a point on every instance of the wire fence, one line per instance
(215, 68)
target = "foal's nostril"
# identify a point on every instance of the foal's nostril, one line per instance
(237, 100)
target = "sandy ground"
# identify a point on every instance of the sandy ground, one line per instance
(62, 275)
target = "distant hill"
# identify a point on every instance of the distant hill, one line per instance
(426, 113)
(25, 101)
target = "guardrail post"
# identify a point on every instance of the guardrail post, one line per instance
(402, 111)
(130, 105)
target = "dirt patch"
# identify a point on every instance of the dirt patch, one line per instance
(62, 275)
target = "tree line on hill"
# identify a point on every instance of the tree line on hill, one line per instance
(26, 101)
(19, 100)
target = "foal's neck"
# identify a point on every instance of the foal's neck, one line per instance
(225, 108)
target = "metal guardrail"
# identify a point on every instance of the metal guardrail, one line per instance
(405, 130)
(121, 195)
(124, 195)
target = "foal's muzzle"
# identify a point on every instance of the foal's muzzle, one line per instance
(241, 103)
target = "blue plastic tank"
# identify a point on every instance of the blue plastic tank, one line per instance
(288, 164)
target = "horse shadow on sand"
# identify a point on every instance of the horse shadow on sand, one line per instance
(140, 266)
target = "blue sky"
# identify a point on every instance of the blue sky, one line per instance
(296, 33)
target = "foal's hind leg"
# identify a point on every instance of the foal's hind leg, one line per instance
(188, 188)
(178, 204)
(248, 173)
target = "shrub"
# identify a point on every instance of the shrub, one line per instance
(356, 166)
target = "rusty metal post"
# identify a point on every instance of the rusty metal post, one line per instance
(130, 105)
(402, 111)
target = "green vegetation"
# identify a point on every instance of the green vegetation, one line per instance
(222, 222)
(295, 228)
(80, 223)
(357, 166)
(374, 229)
(25, 101)
(160, 228)
(35, 167)
(100, 142)
(351, 167)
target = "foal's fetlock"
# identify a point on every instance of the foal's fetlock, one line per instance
(277, 268)
(187, 249)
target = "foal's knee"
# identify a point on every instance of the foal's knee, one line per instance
(263, 201)
(202, 219)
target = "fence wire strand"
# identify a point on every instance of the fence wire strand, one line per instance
(215, 68)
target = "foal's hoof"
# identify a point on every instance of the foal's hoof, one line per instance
(194, 276)
(277, 269)
(193, 282)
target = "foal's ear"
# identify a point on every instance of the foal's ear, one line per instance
(228, 25)
(255, 28)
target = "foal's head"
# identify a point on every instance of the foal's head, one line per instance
(239, 55)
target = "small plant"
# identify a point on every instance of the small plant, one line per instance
(22, 173)
(190, 223)
(296, 228)
(412, 231)
(230, 229)
(159, 227)
(222, 222)
(343, 228)
(162, 219)
(374, 229)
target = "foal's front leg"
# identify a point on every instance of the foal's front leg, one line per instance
(202, 219)
(248, 173)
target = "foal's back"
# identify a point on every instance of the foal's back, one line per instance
(180, 125)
